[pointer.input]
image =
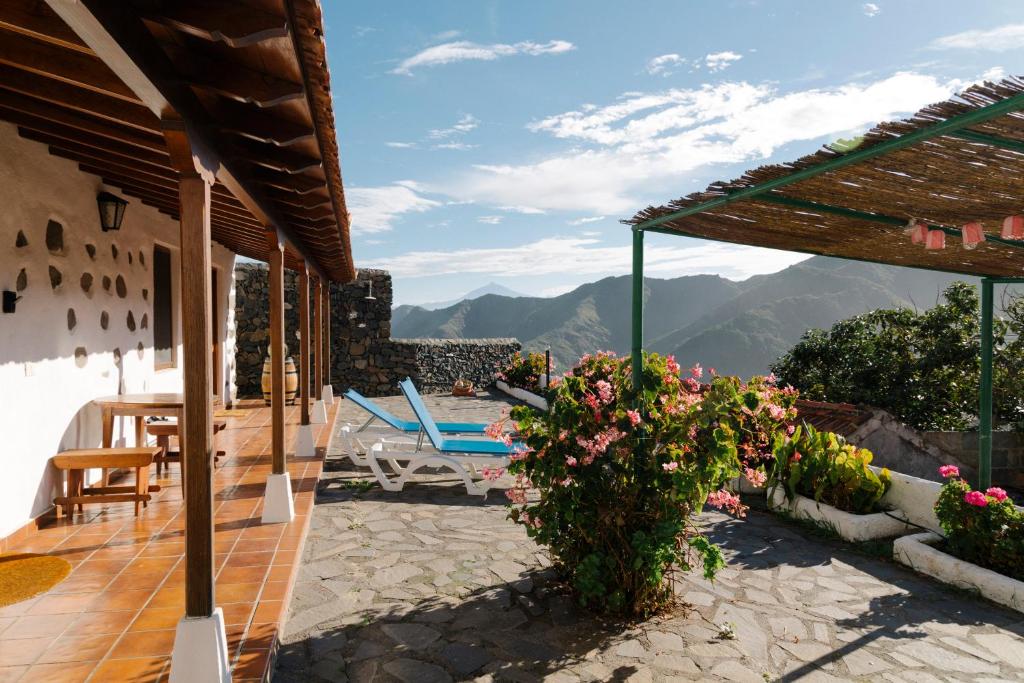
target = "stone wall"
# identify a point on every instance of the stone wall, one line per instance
(920, 454)
(363, 355)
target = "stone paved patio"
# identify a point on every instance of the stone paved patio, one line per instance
(432, 585)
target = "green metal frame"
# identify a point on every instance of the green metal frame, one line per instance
(952, 127)
(985, 389)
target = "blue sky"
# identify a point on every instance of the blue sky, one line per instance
(503, 141)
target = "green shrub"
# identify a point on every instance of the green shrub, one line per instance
(524, 373)
(983, 528)
(822, 466)
(621, 474)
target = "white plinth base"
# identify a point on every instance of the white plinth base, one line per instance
(277, 500)
(318, 415)
(328, 393)
(305, 446)
(200, 652)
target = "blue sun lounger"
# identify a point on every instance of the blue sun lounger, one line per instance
(461, 456)
(408, 426)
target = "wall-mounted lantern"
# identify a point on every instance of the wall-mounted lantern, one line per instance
(111, 211)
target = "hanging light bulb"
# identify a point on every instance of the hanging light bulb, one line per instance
(918, 231)
(973, 235)
(935, 239)
(1013, 228)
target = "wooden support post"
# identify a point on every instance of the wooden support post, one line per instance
(304, 342)
(277, 353)
(197, 433)
(326, 381)
(318, 343)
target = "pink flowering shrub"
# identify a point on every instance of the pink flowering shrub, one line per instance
(621, 475)
(981, 527)
(822, 466)
(524, 372)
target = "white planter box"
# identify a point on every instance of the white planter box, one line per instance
(849, 526)
(916, 552)
(742, 485)
(523, 395)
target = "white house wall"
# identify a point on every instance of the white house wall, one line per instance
(49, 373)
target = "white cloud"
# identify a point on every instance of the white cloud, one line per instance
(584, 221)
(490, 220)
(446, 35)
(465, 124)
(400, 145)
(655, 142)
(999, 39)
(374, 209)
(464, 50)
(459, 146)
(717, 61)
(586, 256)
(870, 9)
(663, 64)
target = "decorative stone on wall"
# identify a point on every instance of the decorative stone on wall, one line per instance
(363, 355)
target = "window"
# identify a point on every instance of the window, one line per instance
(163, 309)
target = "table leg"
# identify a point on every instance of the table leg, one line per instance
(108, 437)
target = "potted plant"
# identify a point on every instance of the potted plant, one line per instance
(982, 546)
(818, 476)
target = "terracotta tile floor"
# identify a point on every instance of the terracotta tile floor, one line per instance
(113, 618)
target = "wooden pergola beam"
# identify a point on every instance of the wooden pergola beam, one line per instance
(122, 40)
(261, 125)
(57, 62)
(36, 20)
(274, 157)
(235, 24)
(70, 96)
(14, 102)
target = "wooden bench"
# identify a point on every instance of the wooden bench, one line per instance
(163, 431)
(76, 463)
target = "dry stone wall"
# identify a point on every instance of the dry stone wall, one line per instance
(363, 355)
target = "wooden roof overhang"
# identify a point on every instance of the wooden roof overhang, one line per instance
(951, 163)
(92, 79)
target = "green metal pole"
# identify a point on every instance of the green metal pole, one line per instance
(985, 398)
(638, 308)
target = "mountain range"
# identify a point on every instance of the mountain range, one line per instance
(736, 327)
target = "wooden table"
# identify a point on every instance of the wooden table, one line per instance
(139, 406)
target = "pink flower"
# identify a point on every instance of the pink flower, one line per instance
(729, 501)
(755, 477)
(776, 412)
(492, 473)
(997, 493)
(976, 498)
(494, 430)
(771, 379)
(697, 371)
(790, 429)
(516, 495)
(634, 417)
(796, 457)
(671, 365)
(604, 390)
(570, 461)
(670, 466)
(948, 471)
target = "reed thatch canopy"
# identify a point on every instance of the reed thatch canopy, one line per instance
(951, 163)
(248, 78)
